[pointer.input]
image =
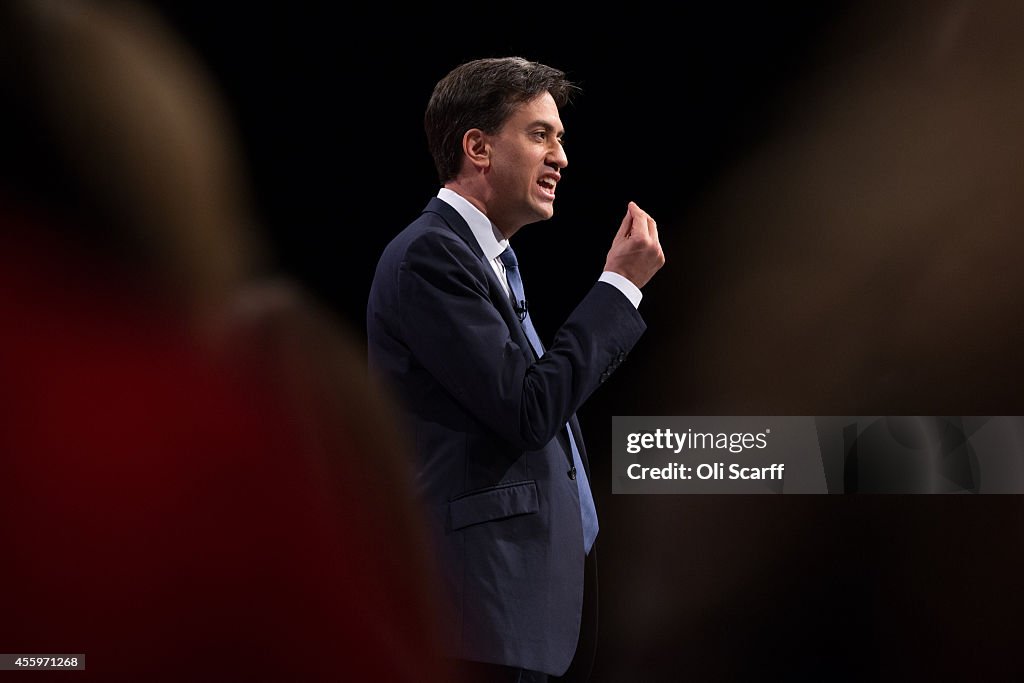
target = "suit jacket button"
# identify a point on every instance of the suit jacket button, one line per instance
(572, 472)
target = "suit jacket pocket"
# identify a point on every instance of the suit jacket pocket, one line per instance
(493, 503)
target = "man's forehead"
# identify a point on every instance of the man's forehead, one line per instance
(540, 111)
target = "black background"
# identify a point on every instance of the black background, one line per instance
(329, 106)
(330, 102)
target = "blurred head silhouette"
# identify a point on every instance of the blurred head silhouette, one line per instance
(191, 451)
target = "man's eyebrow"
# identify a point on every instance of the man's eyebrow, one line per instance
(546, 126)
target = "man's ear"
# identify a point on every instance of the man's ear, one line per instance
(477, 148)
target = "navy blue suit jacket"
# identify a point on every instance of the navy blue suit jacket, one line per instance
(486, 417)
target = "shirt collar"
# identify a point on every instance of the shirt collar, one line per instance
(490, 239)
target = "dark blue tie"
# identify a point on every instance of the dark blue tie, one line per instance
(588, 513)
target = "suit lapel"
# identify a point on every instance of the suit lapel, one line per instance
(498, 297)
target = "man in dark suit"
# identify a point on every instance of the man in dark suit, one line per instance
(501, 461)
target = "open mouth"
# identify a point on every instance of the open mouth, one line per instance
(547, 185)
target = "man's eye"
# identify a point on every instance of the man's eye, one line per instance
(540, 135)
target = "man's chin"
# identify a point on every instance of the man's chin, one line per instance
(544, 212)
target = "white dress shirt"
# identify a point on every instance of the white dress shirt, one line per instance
(493, 243)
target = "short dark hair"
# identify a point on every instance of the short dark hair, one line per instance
(483, 94)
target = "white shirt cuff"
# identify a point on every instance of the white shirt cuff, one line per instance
(623, 284)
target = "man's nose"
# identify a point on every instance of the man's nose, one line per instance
(557, 157)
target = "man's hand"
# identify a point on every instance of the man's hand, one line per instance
(636, 252)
